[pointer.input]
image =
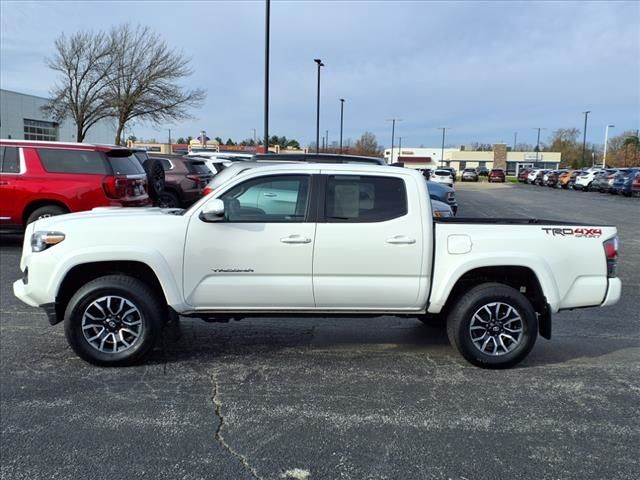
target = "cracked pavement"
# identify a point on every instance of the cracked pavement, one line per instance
(335, 398)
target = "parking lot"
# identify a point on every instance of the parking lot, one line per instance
(336, 398)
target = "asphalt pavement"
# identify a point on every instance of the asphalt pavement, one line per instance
(381, 398)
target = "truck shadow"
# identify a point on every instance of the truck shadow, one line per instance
(200, 341)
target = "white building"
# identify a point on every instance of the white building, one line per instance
(459, 158)
(21, 118)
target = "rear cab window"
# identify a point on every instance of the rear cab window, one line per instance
(363, 198)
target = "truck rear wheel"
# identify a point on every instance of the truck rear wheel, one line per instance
(113, 320)
(493, 326)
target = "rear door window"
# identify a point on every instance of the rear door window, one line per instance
(9, 160)
(126, 164)
(358, 199)
(199, 168)
(58, 160)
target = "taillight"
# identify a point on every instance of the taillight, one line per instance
(119, 186)
(611, 254)
(207, 190)
(115, 186)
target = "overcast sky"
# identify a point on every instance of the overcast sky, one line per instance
(484, 69)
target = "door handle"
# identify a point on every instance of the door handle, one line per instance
(269, 194)
(295, 239)
(400, 240)
(4, 183)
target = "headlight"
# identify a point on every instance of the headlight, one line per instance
(441, 213)
(42, 240)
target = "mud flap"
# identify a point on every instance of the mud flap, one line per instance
(544, 322)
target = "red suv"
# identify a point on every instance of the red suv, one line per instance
(42, 179)
(497, 175)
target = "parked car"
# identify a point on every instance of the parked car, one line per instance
(215, 164)
(443, 193)
(469, 175)
(451, 170)
(523, 174)
(440, 209)
(185, 178)
(533, 174)
(483, 171)
(553, 178)
(497, 175)
(574, 175)
(43, 179)
(602, 180)
(564, 179)
(623, 180)
(442, 176)
(538, 177)
(230, 156)
(583, 181)
(355, 240)
(635, 185)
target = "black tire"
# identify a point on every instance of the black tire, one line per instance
(155, 178)
(168, 199)
(45, 212)
(151, 315)
(461, 318)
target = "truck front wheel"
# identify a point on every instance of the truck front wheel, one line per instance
(113, 320)
(493, 326)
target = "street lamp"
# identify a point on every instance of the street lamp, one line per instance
(393, 132)
(444, 129)
(399, 147)
(267, 19)
(320, 64)
(584, 136)
(341, 121)
(606, 141)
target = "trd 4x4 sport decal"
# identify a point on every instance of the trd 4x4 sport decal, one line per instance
(581, 232)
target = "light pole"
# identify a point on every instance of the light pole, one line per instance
(393, 132)
(326, 140)
(606, 141)
(399, 147)
(538, 143)
(584, 136)
(444, 129)
(267, 19)
(341, 121)
(515, 140)
(320, 64)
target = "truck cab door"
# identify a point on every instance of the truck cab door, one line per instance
(370, 245)
(259, 256)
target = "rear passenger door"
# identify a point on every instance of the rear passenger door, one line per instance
(9, 171)
(369, 244)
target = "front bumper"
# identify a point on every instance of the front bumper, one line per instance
(614, 291)
(20, 290)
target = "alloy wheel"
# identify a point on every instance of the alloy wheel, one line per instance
(496, 329)
(112, 324)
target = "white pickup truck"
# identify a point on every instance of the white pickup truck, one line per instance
(312, 239)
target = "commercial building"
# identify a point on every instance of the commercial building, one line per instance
(459, 158)
(22, 118)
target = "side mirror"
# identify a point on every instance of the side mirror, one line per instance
(213, 211)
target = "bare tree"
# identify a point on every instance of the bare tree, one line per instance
(144, 77)
(84, 64)
(367, 144)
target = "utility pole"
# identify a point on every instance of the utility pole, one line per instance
(341, 121)
(538, 144)
(393, 132)
(267, 19)
(584, 136)
(399, 147)
(444, 129)
(515, 140)
(320, 64)
(326, 140)
(606, 141)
